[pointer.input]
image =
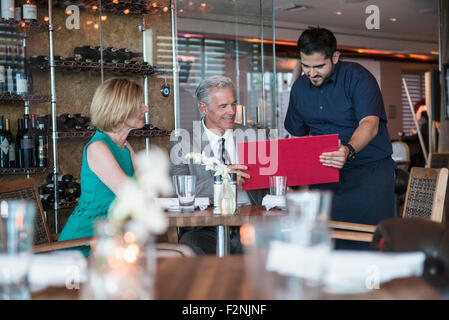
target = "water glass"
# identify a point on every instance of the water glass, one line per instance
(185, 188)
(286, 258)
(16, 240)
(311, 205)
(278, 185)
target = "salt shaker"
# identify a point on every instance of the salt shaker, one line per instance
(218, 183)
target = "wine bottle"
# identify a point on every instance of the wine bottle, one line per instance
(28, 77)
(4, 146)
(12, 146)
(19, 154)
(27, 145)
(42, 147)
(2, 79)
(7, 9)
(86, 52)
(10, 80)
(110, 54)
(29, 10)
(21, 83)
(18, 10)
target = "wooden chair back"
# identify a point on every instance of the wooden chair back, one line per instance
(426, 193)
(438, 160)
(26, 189)
(401, 150)
(401, 154)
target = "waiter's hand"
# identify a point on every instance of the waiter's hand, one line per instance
(241, 175)
(336, 159)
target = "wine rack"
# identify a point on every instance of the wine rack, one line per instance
(24, 28)
(22, 171)
(109, 67)
(121, 7)
(15, 98)
(134, 133)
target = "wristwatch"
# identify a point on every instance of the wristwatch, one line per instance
(351, 154)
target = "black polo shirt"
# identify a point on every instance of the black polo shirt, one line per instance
(350, 94)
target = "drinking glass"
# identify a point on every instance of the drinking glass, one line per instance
(310, 205)
(278, 185)
(16, 239)
(185, 188)
(286, 258)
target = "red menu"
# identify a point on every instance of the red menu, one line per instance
(296, 158)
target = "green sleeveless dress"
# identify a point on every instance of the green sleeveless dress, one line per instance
(95, 197)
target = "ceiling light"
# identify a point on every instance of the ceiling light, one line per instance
(393, 19)
(290, 7)
(338, 13)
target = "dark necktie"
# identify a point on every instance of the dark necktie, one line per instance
(224, 157)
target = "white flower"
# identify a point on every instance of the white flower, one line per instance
(152, 172)
(196, 157)
(210, 163)
(135, 203)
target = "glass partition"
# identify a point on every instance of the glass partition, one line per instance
(230, 38)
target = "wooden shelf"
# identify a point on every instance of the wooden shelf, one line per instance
(22, 171)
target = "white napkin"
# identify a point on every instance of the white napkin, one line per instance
(61, 268)
(172, 204)
(270, 202)
(353, 271)
(345, 271)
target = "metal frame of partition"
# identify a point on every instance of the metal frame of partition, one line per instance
(54, 132)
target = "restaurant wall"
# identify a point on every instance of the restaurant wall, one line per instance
(388, 76)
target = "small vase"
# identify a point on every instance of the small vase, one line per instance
(120, 268)
(228, 197)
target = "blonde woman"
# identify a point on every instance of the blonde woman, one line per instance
(108, 159)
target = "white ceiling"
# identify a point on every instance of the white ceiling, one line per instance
(415, 31)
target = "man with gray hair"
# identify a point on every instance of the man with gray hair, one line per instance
(216, 135)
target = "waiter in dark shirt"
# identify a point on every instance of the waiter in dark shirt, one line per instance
(331, 97)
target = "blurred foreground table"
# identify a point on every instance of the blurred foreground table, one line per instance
(256, 214)
(229, 278)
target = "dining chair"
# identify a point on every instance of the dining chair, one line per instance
(425, 198)
(416, 234)
(351, 231)
(438, 160)
(426, 192)
(401, 154)
(26, 189)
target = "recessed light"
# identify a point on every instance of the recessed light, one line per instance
(290, 7)
(338, 13)
(393, 19)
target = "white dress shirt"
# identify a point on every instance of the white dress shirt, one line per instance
(230, 147)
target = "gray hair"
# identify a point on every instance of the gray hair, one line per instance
(202, 92)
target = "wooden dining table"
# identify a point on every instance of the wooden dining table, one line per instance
(232, 278)
(254, 215)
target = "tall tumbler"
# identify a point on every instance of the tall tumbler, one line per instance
(16, 240)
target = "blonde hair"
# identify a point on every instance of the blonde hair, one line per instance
(114, 101)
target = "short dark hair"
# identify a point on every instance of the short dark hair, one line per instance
(320, 40)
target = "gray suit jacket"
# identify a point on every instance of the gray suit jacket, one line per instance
(195, 140)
